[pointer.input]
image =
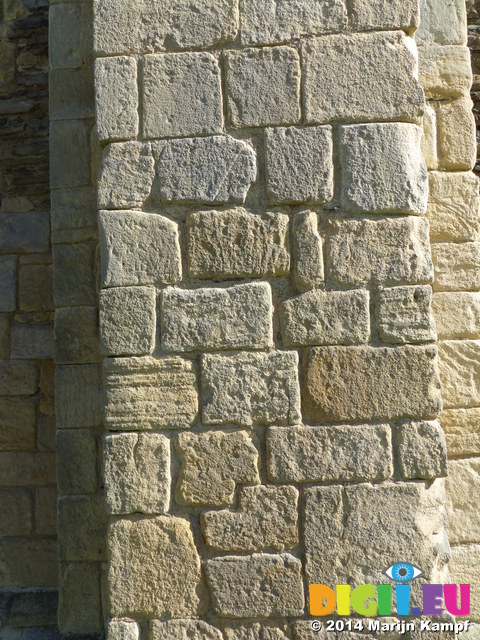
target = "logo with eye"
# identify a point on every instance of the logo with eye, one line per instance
(403, 572)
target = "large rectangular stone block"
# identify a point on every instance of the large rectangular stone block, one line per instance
(17, 424)
(421, 450)
(76, 335)
(71, 93)
(370, 383)
(461, 431)
(116, 98)
(308, 270)
(388, 89)
(211, 319)
(18, 378)
(82, 526)
(174, 629)
(457, 148)
(32, 341)
(453, 206)
(73, 214)
(28, 562)
(442, 22)
(25, 232)
(445, 71)
(75, 274)
(80, 603)
(463, 483)
(76, 461)
(70, 35)
(149, 393)
(459, 362)
(236, 244)
(382, 15)
(457, 266)
(248, 388)
(457, 315)
(78, 396)
(326, 454)
(35, 287)
(17, 512)
(70, 153)
(27, 469)
(404, 315)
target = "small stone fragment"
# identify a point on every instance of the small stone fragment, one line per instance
(116, 98)
(183, 630)
(307, 251)
(453, 206)
(457, 314)
(445, 71)
(429, 137)
(122, 630)
(404, 315)
(422, 450)
(459, 362)
(457, 266)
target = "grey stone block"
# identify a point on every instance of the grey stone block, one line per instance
(73, 214)
(8, 285)
(78, 396)
(82, 526)
(71, 94)
(76, 451)
(79, 607)
(116, 98)
(70, 154)
(25, 232)
(32, 340)
(70, 35)
(75, 274)
(76, 335)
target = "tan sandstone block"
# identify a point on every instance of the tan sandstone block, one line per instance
(429, 137)
(459, 363)
(463, 483)
(382, 14)
(404, 315)
(442, 22)
(116, 98)
(457, 148)
(276, 630)
(183, 630)
(464, 568)
(138, 587)
(212, 465)
(444, 71)
(308, 271)
(422, 450)
(457, 266)
(358, 383)
(462, 431)
(123, 630)
(453, 206)
(457, 314)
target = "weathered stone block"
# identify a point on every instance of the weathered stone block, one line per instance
(26, 469)
(25, 232)
(235, 244)
(116, 98)
(429, 137)
(183, 630)
(76, 461)
(82, 525)
(387, 252)
(138, 248)
(138, 587)
(266, 519)
(453, 206)
(263, 86)
(383, 169)
(299, 165)
(389, 89)
(275, 630)
(182, 95)
(464, 569)
(17, 509)
(445, 71)
(212, 465)
(461, 431)
(422, 450)
(264, 23)
(18, 378)
(76, 335)
(457, 266)
(149, 25)
(369, 383)
(459, 363)
(75, 274)
(462, 483)
(379, 14)
(149, 393)
(46, 511)
(248, 388)
(123, 630)
(35, 287)
(404, 315)
(216, 169)
(70, 35)
(80, 603)
(17, 424)
(127, 320)
(28, 561)
(307, 251)
(210, 319)
(78, 396)
(442, 22)
(326, 317)
(325, 454)
(457, 315)
(8, 287)
(126, 175)
(256, 586)
(32, 340)
(73, 214)
(71, 94)
(70, 154)
(457, 149)
(137, 473)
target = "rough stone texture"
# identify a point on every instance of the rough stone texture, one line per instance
(429, 137)
(326, 317)
(18, 378)
(182, 95)
(210, 319)
(256, 586)
(127, 320)
(122, 630)
(149, 25)
(442, 22)
(73, 214)
(183, 630)
(149, 393)
(32, 340)
(76, 451)
(388, 252)
(463, 482)
(299, 165)
(404, 315)
(75, 274)
(24, 232)
(248, 388)
(361, 383)
(457, 266)
(78, 395)
(463, 569)
(264, 23)
(382, 14)
(138, 248)
(35, 287)
(457, 149)
(386, 63)
(266, 519)
(69, 169)
(116, 98)
(81, 528)
(17, 424)
(461, 431)
(236, 243)
(459, 363)
(308, 269)
(256, 631)
(263, 86)
(136, 586)
(383, 169)
(76, 335)
(212, 465)
(422, 450)
(8, 289)
(445, 71)
(80, 608)
(17, 509)
(457, 315)
(453, 206)
(136, 473)
(325, 454)
(212, 170)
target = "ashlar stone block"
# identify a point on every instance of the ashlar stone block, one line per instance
(138, 587)
(308, 271)
(149, 393)
(266, 519)
(236, 244)
(382, 15)
(81, 528)
(74, 274)
(122, 630)
(445, 71)
(76, 455)
(326, 317)
(422, 450)
(369, 383)
(116, 98)
(387, 64)
(76, 335)
(457, 266)
(404, 315)
(463, 483)
(183, 630)
(457, 149)
(461, 431)
(263, 86)
(78, 396)
(256, 586)
(442, 22)
(210, 319)
(325, 454)
(453, 206)
(212, 465)
(138, 248)
(459, 362)
(137, 473)
(127, 320)
(457, 314)
(391, 251)
(383, 170)
(248, 388)
(299, 165)
(182, 95)
(275, 630)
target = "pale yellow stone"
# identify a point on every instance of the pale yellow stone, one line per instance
(463, 489)
(457, 266)
(442, 22)
(459, 364)
(453, 206)
(308, 269)
(429, 137)
(462, 431)
(464, 568)
(444, 71)
(457, 314)
(457, 148)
